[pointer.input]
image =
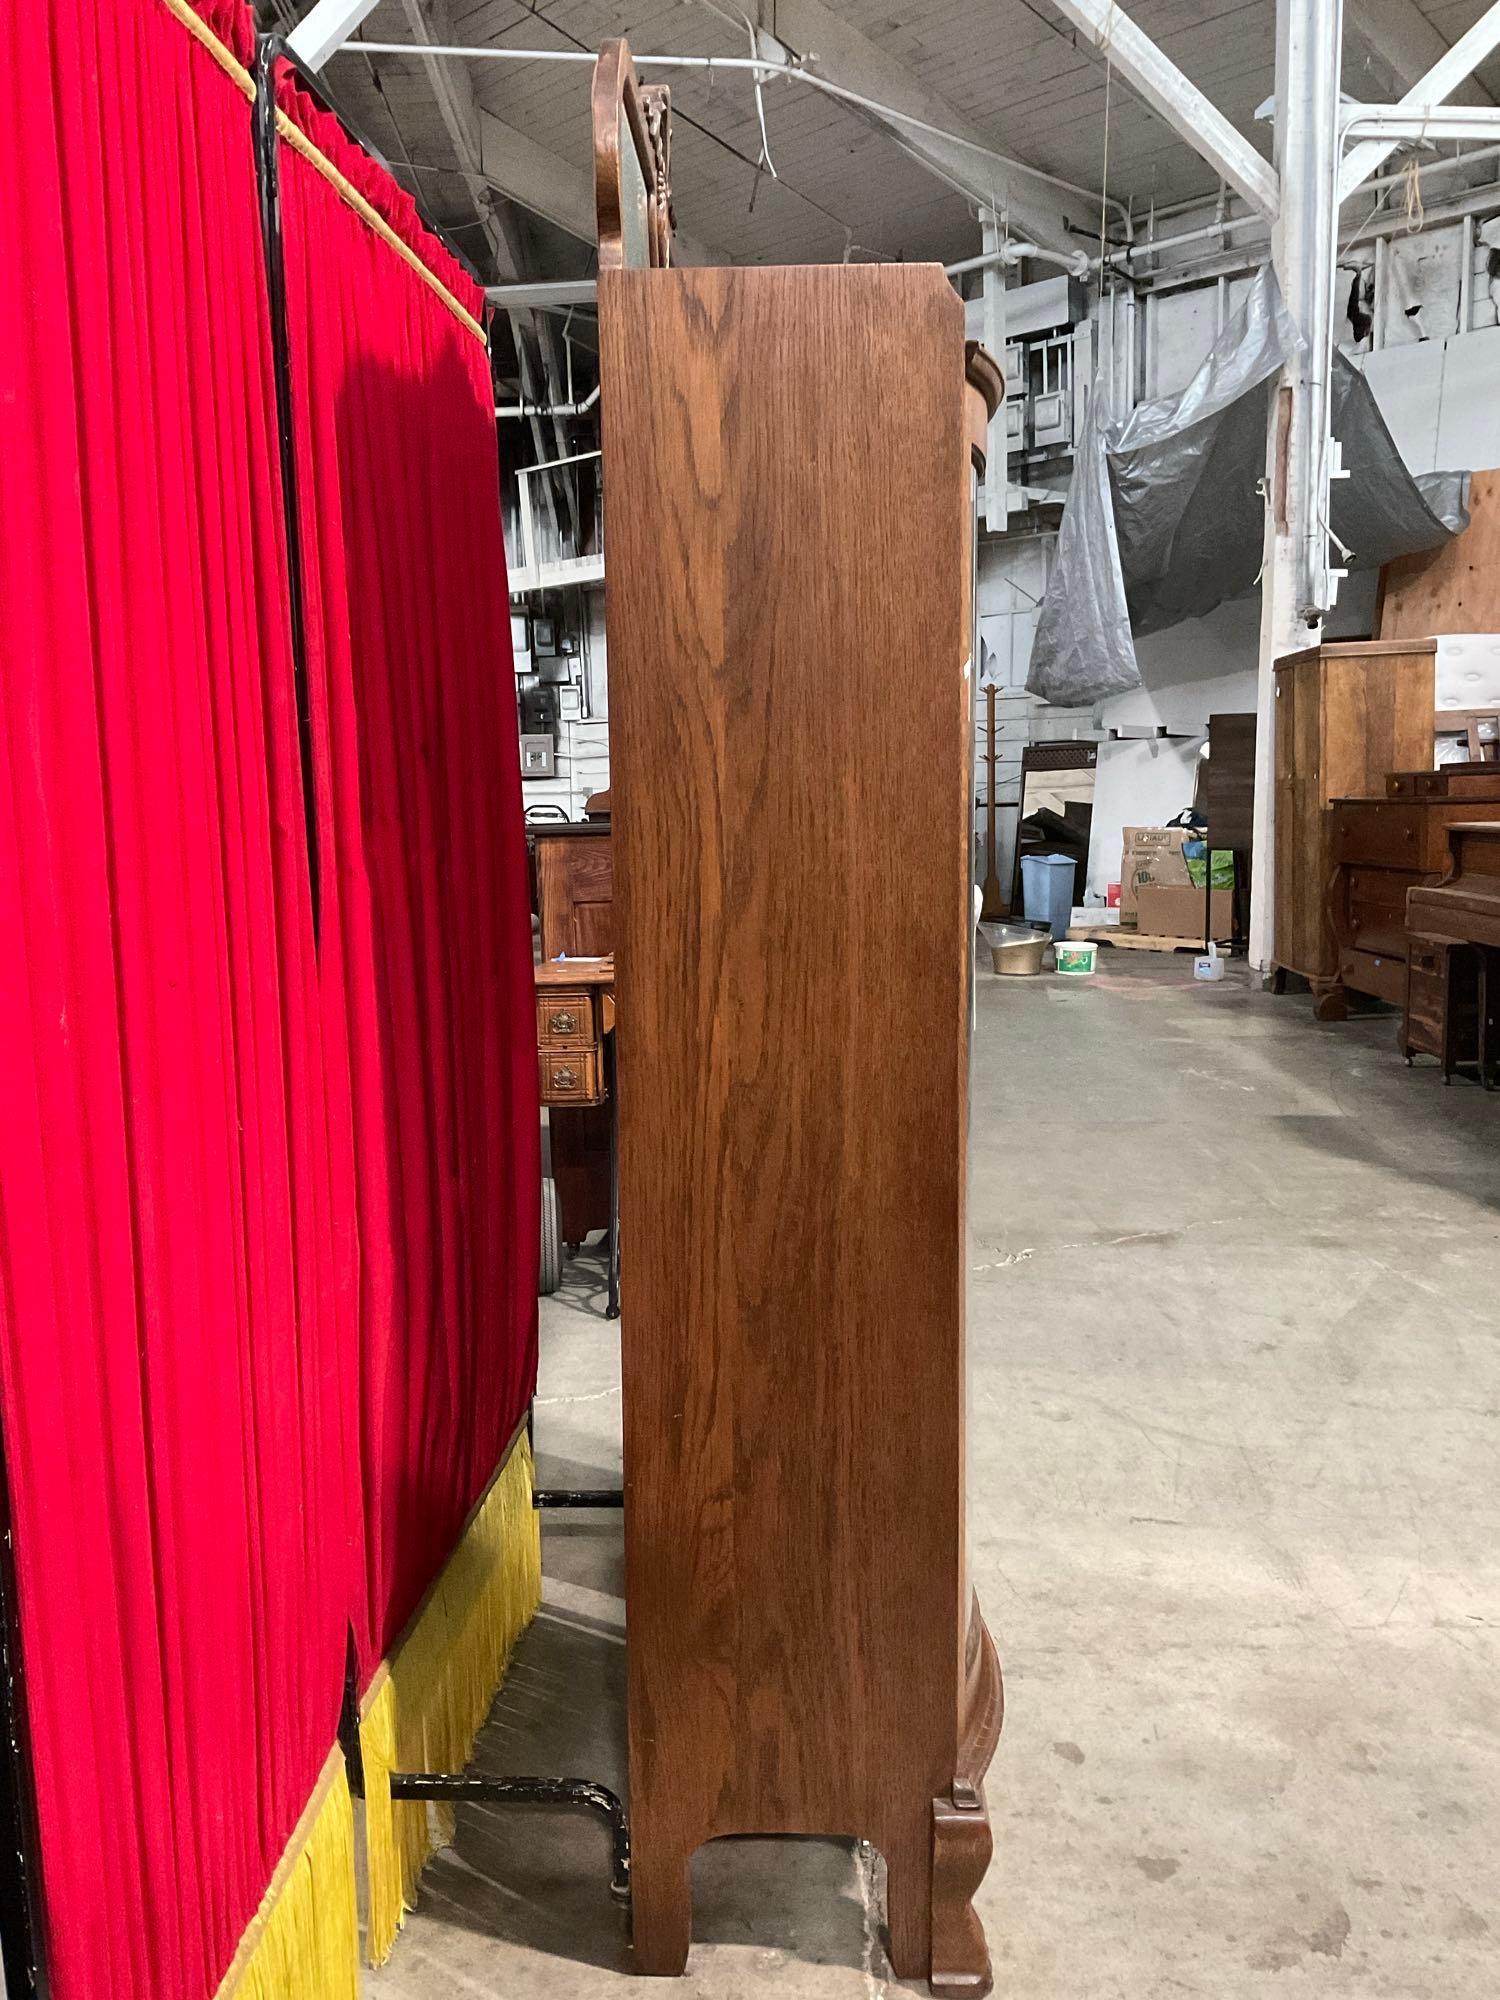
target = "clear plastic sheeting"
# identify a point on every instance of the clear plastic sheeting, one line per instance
(1166, 517)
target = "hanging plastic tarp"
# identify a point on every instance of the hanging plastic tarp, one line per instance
(1165, 517)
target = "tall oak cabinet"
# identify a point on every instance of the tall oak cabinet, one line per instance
(788, 482)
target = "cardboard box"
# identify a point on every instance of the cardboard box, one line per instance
(1168, 857)
(1177, 912)
(1150, 854)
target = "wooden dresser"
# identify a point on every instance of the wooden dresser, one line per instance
(1346, 715)
(787, 460)
(574, 1012)
(1381, 849)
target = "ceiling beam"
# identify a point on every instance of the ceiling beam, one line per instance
(1403, 44)
(829, 47)
(1452, 67)
(536, 179)
(1156, 78)
(548, 295)
(536, 334)
(326, 26)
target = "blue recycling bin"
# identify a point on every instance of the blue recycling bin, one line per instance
(1047, 890)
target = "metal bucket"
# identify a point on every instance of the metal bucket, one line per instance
(1017, 949)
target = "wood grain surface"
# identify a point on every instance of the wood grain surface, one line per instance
(1346, 717)
(787, 463)
(1453, 588)
(575, 892)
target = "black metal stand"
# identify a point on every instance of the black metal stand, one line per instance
(268, 51)
(23, 1952)
(578, 1794)
(468, 1788)
(577, 1496)
(612, 1304)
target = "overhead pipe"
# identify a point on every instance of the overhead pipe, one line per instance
(762, 69)
(1392, 223)
(1148, 247)
(525, 409)
(1074, 262)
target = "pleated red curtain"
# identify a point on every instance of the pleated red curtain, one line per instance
(175, 1324)
(426, 932)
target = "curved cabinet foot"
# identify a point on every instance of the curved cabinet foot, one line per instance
(961, 1848)
(961, 1839)
(1331, 1000)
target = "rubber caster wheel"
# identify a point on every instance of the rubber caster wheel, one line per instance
(549, 1271)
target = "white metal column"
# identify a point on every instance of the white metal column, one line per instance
(996, 496)
(1295, 587)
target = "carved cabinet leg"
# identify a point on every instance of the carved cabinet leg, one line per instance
(961, 1839)
(961, 1849)
(661, 1909)
(908, 1901)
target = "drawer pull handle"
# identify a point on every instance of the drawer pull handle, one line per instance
(563, 1024)
(565, 1079)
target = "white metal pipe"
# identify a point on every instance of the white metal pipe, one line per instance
(1402, 125)
(1075, 262)
(762, 69)
(1393, 223)
(1479, 156)
(1148, 247)
(1440, 82)
(325, 28)
(990, 259)
(1446, 164)
(525, 409)
(996, 489)
(1295, 581)
(363, 47)
(1317, 251)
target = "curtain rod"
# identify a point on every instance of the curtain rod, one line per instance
(297, 139)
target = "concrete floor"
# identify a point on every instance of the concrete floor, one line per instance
(1235, 1467)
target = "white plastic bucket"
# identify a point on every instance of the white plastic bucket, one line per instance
(1075, 956)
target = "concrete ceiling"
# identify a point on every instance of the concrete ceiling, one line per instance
(1009, 72)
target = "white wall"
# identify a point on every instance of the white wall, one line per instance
(596, 651)
(1441, 399)
(1197, 669)
(1013, 575)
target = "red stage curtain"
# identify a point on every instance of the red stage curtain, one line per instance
(426, 938)
(173, 1388)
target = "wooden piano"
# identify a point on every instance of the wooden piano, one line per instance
(1457, 923)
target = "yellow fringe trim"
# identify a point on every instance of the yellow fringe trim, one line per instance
(244, 82)
(303, 1941)
(428, 1702)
